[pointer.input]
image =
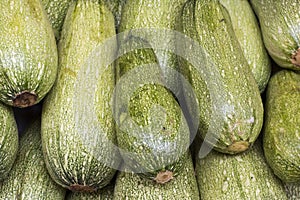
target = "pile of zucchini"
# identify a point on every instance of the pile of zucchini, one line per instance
(149, 100)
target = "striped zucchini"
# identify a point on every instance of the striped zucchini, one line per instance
(29, 178)
(249, 36)
(78, 131)
(106, 193)
(116, 7)
(28, 53)
(8, 140)
(279, 22)
(292, 190)
(243, 176)
(281, 127)
(184, 186)
(56, 11)
(230, 105)
(152, 131)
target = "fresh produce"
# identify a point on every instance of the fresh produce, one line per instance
(131, 186)
(56, 11)
(8, 140)
(152, 18)
(106, 193)
(279, 22)
(152, 131)
(281, 130)
(29, 178)
(292, 190)
(249, 36)
(116, 7)
(243, 176)
(78, 131)
(28, 53)
(230, 106)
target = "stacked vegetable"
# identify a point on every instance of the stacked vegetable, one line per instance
(136, 99)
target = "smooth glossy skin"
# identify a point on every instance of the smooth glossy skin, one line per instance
(281, 126)
(28, 52)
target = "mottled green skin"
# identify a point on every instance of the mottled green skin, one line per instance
(250, 39)
(184, 186)
(281, 127)
(152, 129)
(8, 140)
(116, 7)
(29, 178)
(159, 15)
(292, 190)
(56, 11)
(239, 109)
(28, 52)
(106, 193)
(279, 22)
(77, 156)
(243, 176)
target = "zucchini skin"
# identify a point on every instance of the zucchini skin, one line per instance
(222, 81)
(28, 53)
(184, 186)
(151, 128)
(292, 190)
(243, 176)
(279, 22)
(9, 140)
(281, 130)
(106, 193)
(248, 33)
(80, 155)
(29, 178)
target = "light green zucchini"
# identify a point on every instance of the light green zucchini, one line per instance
(106, 193)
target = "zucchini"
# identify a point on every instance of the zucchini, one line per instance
(230, 105)
(28, 53)
(116, 7)
(56, 11)
(292, 190)
(106, 193)
(151, 128)
(184, 186)
(78, 147)
(8, 140)
(243, 176)
(279, 22)
(281, 131)
(29, 178)
(248, 33)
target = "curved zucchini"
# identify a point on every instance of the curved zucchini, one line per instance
(8, 140)
(28, 53)
(281, 131)
(222, 81)
(243, 176)
(184, 186)
(29, 178)
(279, 22)
(250, 39)
(79, 154)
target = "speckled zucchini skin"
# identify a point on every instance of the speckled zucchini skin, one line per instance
(29, 178)
(79, 157)
(56, 11)
(292, 190)
(116, 7)
(106, 193)
(156, 14)
(237, 100)
(249, 36)
(281, 127)
(243, 176)
(152, 129)
(28, 52)
(279, 22)
(8, 140)
(184, 186)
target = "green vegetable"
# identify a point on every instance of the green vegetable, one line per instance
(78, 130)
(28, 53)
(250, 39)
(292, 190)
(29, 178)
(281, 130)
(230, 106)
(8, 140)
(279, 22)
(106, 193)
